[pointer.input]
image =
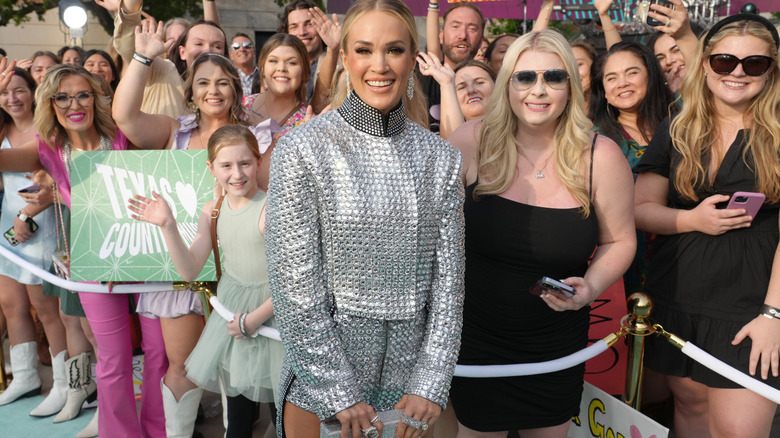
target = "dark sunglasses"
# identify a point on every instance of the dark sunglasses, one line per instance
(756, 65)
(63, 101)
(556, 79)
(245, 45)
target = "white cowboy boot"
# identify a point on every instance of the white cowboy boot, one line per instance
(24, 366)
(180, 416)
(54, 402)
(81, 387)
(92, 428)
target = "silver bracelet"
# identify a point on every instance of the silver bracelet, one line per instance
(145, 60)
(241, 327)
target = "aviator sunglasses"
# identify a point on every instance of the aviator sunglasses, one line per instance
(245, 45)
(756, 65)
(556, 79)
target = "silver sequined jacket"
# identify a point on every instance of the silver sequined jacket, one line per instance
(365, 218)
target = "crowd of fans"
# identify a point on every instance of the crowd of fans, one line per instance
(413, 197)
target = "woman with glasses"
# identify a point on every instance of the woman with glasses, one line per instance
(714, 269)
(542, 193)
(73, 113)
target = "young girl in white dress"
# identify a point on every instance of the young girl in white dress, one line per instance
(249, 367)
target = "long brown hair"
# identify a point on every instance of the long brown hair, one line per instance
(236, 109)
(285, 39)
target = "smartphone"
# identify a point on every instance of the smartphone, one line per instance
(10, 236)
(750, 201)
(547, 283)
(30, 189)
(652, 21)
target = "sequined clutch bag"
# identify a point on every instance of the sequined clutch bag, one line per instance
(390, 420)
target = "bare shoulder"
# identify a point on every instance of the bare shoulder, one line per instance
(607, 152)
(466, 140)
(466, 137)
(610, 167)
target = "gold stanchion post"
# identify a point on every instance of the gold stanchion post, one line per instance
(637, 325)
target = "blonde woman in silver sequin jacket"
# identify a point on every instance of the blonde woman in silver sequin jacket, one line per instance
(365, 246)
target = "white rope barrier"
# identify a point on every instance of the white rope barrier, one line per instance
(730, 372)
(227, 315)
(83, 287)
(529, 369)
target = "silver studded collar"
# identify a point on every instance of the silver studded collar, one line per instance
(370, 120)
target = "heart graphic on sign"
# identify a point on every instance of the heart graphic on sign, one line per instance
(187, 198)
(635, 433)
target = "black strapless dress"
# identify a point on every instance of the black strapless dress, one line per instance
(509, 247)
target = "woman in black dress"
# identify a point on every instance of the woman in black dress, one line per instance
(543, 192)
(714, 275)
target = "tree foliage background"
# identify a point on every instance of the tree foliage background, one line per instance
(20, 11)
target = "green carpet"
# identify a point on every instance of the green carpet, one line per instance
(16, 422)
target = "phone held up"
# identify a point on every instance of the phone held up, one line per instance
(750, 201)
(547, 283)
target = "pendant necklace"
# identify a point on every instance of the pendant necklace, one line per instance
(539, 172)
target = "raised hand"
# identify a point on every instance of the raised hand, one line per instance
(155, 211)
(674, 21)
(329, 30)
(109, 5)
(602, 6)
(7, 72)
(149, 38)
(431, 65)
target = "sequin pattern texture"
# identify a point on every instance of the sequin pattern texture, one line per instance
(365, 252)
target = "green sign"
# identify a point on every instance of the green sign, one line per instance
(106, 243)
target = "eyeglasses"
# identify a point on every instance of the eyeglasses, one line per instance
(556, 79)
(63, 101)
(756, 65)
(246, 45)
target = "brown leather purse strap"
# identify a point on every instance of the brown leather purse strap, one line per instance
(214, 243)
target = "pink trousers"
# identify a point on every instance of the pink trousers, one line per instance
(109, 318)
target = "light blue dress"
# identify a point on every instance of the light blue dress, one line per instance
(39, 249)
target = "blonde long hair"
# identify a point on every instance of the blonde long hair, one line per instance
(497, 144)
(49, 128)
(694, 129)
(417, 107)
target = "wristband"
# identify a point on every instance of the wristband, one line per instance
(770, 312)
(241, 326)
(23, 216)
(433, 6)
(145, 60)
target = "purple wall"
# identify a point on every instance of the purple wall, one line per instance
(510, 8)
